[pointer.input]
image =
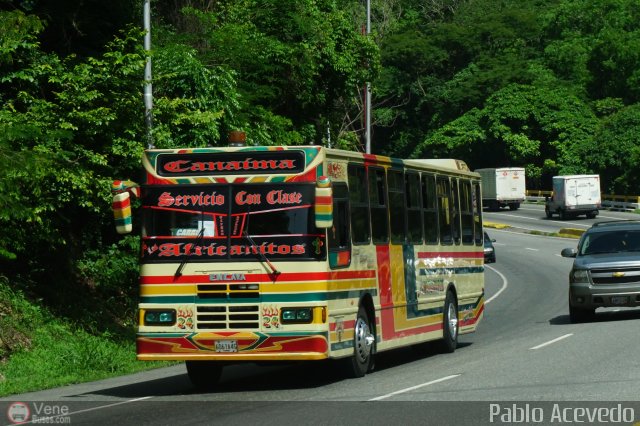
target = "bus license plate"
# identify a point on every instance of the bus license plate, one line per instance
(226, 346)
(619, 300)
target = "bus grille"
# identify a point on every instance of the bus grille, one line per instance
(227, 317)
(228, 291)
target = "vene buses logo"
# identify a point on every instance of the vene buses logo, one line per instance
(230, 163)
(18, 412)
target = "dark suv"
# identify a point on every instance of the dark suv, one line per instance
(606, 269)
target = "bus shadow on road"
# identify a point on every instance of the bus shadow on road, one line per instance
(249, 377)
(608, 315)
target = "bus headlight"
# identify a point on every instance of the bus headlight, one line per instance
(296, 315)
(160, 317)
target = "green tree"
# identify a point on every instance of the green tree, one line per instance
(544, 129)
(70, 125)
(434, 71)
(298, 63)
(617, 144)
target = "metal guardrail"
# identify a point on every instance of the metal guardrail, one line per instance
(609, 201)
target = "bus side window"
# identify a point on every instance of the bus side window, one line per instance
(466, 209)
(395, 182)
(477, 213)
(414, 214)
(429, 209)
(455, 210)
(339, 238)
(443, 189)
(378, 206)
(359, 203)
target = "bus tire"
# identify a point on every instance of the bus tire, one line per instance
(449, 341)
(361, 361)
(548, 213)
(204, 375)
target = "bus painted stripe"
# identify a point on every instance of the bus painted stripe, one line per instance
(123, 221)
(386, 297)
(454, 254)
(397, 266)
(283, 277)
(264, 298)
(324, 217)
(323, 210)
(233, 334)
(331, 286)
(122, 213)
(321, 296)
(123, 204)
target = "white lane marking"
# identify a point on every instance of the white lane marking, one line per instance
(550, 220)
(565, 223)
(551, 341)
(414, 387)
(532, 249)
(94, 408)
(515, 215)
(505, 284)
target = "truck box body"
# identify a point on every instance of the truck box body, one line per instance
(574, 195)
(502, 187)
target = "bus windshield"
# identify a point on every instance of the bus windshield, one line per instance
(215, 222)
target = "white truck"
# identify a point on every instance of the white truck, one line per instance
(574, 195)
(503, 187)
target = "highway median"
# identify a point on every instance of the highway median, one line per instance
(563, 232)
(495, 225)
(571, 232)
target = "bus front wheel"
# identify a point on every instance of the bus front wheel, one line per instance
(361, 361)
(204, 375)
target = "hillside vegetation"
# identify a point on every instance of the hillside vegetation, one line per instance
(551, 85)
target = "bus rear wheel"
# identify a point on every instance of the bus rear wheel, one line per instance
(450, 324)
(361, 361)
(204, 375)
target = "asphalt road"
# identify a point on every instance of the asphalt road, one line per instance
(526, 359)
(532, 217)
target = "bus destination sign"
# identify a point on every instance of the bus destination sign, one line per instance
(230, 163)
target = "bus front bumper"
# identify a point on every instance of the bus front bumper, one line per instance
(232, 346)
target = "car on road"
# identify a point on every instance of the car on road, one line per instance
(606, 268)
(489, 249)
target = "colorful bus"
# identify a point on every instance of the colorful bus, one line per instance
(302, 253)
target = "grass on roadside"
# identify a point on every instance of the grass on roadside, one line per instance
(40, 351)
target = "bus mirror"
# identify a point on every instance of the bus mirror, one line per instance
(122, 212)
(121, 204)
(324, 203)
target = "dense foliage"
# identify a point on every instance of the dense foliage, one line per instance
(551, 85)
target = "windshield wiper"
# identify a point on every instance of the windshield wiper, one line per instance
(261, 255)
(198, 241)
(254, 246)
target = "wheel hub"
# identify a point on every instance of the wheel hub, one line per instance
(363, 340)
